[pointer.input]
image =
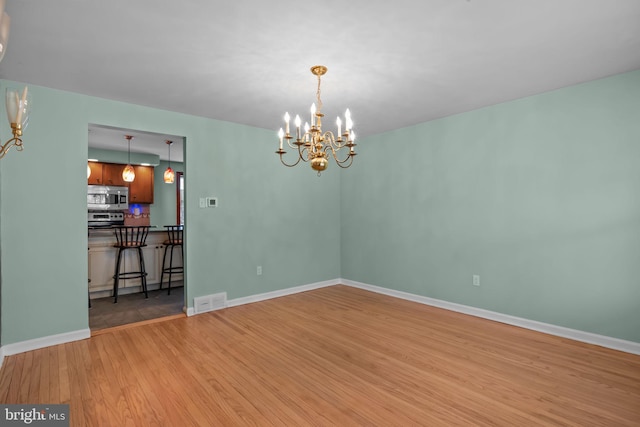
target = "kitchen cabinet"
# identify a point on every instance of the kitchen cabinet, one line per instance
(141, 189)
(102, 261)
(112, 174)
(96, 174)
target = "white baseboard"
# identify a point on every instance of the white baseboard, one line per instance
(281, 293)
(560, 331)
(34, 344)
(587, 337)
(269, 295)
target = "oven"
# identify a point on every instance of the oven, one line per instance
(104, 219)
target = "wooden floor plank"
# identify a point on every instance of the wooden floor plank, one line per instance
(25, 383)
(13, 393)
(53, 395)
(332, 356)
(5, 380)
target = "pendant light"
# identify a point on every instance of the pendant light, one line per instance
(169, 174)
(128, 173)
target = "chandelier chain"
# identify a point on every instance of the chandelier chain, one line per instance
(318, 95)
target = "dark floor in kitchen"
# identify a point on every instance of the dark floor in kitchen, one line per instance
(133, 308)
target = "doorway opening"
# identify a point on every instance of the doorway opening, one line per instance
(151, 203)
(180, 198)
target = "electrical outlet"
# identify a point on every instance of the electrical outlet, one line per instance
(259, 270)
(476, 280)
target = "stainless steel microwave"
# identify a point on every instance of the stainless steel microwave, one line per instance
(109, 198)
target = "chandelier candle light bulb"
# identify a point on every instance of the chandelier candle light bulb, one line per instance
(315, 146)
(313, 114)
(297, 122)
(286, 120)
(281, 135)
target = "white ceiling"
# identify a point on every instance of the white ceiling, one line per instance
(393, 63)
(110, 138)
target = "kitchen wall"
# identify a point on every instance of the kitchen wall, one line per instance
(163, 209)
(539, 196)
(266, 212)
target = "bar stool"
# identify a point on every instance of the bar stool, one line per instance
(130, 237)
(174, 238)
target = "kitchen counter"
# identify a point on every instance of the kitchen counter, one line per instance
(105, 237)
(152, 228)
(102, 258)
(108, 231)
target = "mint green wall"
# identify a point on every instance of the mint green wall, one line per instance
(163, 209)
(540, 197)
(268, 215)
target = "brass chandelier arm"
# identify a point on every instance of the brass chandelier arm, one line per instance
(301, 155)
(15, 141)
(336, 144)
(342, 163)
(289, 139)
(281, 152)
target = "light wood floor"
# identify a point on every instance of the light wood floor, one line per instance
(333, 356)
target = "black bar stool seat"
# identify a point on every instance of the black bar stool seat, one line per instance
(174, 239)
(127, 238)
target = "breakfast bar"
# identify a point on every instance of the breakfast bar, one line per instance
(102, 260)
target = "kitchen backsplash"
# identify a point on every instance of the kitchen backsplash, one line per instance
(137, 215)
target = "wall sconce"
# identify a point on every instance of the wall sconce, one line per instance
(18, 109)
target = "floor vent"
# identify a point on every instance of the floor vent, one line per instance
(210, 302)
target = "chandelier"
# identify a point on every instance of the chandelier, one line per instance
(314, 145)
